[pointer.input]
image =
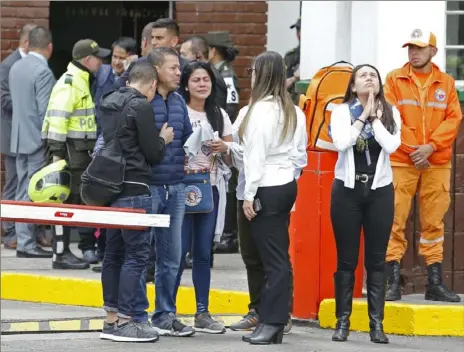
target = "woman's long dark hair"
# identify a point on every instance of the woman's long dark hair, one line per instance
(387, 115)
(213, 112)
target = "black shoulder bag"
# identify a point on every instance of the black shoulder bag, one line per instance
(102, 181)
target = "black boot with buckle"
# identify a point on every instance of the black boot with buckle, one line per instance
(435, 290)
(344, 284)
(376, 286)
(394, 281)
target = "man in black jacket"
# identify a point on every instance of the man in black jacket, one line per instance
(128, 114)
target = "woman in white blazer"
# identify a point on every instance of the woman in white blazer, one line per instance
(365, 130)
(270, 134)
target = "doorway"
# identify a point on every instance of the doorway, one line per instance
(102, 21)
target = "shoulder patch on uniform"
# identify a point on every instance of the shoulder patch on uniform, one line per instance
(68, 79)
(440, 95)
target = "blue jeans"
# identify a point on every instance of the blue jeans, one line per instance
(126, 256)
(202, 227)
(169, 200)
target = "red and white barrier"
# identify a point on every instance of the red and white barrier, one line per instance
(80, 215)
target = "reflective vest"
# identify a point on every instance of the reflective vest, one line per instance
(71, 110)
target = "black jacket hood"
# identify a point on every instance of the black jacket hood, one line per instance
(111, 106)
(117, 99)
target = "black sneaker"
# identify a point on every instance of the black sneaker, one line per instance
(90, 256)
(248, 322)
(171, 326)
(134, 332)
(97, 269)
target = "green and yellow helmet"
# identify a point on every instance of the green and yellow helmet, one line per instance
(52, 184)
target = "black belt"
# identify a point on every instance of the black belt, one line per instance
(364, 178)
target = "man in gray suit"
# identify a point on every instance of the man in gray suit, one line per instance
(11, 179)
(31, 83)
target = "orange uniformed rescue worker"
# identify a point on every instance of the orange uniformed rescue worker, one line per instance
(431, 115)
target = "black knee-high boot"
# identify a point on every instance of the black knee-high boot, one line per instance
(344, 284)
(376, 289)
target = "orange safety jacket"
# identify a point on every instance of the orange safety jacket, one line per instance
(430, 114)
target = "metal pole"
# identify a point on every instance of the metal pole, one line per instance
(171, 9)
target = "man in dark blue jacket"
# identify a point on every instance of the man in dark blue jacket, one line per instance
(168, 191)
(121, 50)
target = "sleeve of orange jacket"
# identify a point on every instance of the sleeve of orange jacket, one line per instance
(406, 133)
(445, 134)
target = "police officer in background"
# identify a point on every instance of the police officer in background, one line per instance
(221, 55)
(69, 132)
(292, 61)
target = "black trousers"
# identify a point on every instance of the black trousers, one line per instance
(101, 242)
(87, 239)
(253, 263)
(230, 222)
(265, 253)
(361, 207)
(251, 258)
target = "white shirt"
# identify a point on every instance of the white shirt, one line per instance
(204, 158)
(300, 139)
(268, 161)
(344, 136)
(240, 190)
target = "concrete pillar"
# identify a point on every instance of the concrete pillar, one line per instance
(325, 34)
(280, 37)
(366, 32)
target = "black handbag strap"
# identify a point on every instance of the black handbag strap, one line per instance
(118, 130)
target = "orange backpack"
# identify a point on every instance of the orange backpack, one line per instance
(325, 91)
